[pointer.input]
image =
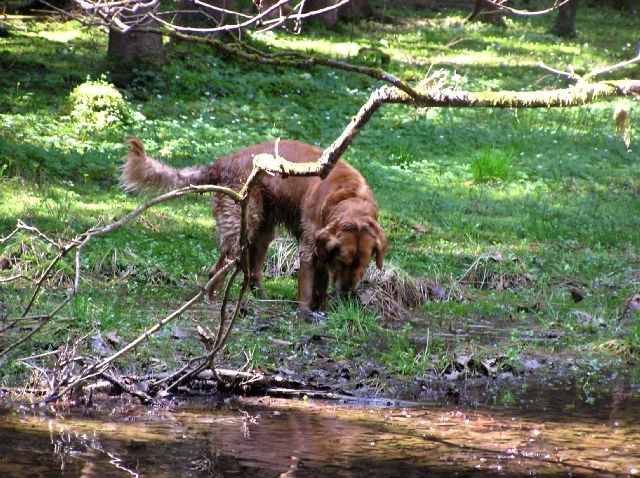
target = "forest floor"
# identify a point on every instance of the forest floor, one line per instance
(513, 234)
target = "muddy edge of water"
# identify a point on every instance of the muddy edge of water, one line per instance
(531, 427)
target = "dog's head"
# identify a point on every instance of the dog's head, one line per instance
(347, 246)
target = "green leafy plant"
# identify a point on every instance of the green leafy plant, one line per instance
(97, 104)
(405, 358)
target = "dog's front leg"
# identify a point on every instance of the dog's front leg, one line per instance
(320, 285)
(306, 273)
(305, 284)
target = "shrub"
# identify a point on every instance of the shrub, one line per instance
(96, 105)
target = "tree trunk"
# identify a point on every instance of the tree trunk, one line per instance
(136, 49)
(485, 11)
(197, 16)
(565, 25)
(355, 10)
(330, 18)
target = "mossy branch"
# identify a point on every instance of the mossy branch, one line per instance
(428, 93)
(578, 95)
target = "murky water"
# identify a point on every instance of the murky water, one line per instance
(533, 430)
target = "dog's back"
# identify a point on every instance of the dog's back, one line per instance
(142, 172)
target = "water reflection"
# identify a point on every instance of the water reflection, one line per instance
(542, 431)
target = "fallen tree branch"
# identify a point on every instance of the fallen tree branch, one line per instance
(251, 54)
(426, 95)
(99, 368)
(143, 396)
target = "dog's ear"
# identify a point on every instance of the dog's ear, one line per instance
(326, 243)
(381, 245)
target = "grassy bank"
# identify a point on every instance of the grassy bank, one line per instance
(524, 223)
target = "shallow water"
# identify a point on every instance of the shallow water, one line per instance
(540, 430)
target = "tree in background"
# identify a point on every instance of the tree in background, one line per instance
(489, 11)
(565, 25)
(138, 47)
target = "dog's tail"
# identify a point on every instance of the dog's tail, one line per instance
(141, 172)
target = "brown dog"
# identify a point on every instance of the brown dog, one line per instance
(335, 220)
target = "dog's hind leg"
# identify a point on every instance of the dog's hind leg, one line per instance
(227, 215)
(258, 247)
(218, 283)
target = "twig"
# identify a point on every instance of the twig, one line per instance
(567, 74)
(81, 240)
(99, 368)
(43, 321)
(142, 396)
(11, 234)
(6, 280)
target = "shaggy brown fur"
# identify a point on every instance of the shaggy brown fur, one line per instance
(335, 220)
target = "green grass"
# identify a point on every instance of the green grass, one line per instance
(555, 192)
(490, 166)
(350, 320)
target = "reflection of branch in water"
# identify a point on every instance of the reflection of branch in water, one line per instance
(247, 419)
(64, 447)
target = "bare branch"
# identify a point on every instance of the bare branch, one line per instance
(124, 15)
(500, 7)
(11, 234)
(43, 320)
(570, 74)
(80, 242)
(100, 367)
(608, 69)
(6, 280)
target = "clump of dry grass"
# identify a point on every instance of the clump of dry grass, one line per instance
(491, 271)
(283, 258)
(391, 293)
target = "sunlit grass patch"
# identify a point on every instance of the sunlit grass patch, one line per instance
(492, 166)
(405, 357)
